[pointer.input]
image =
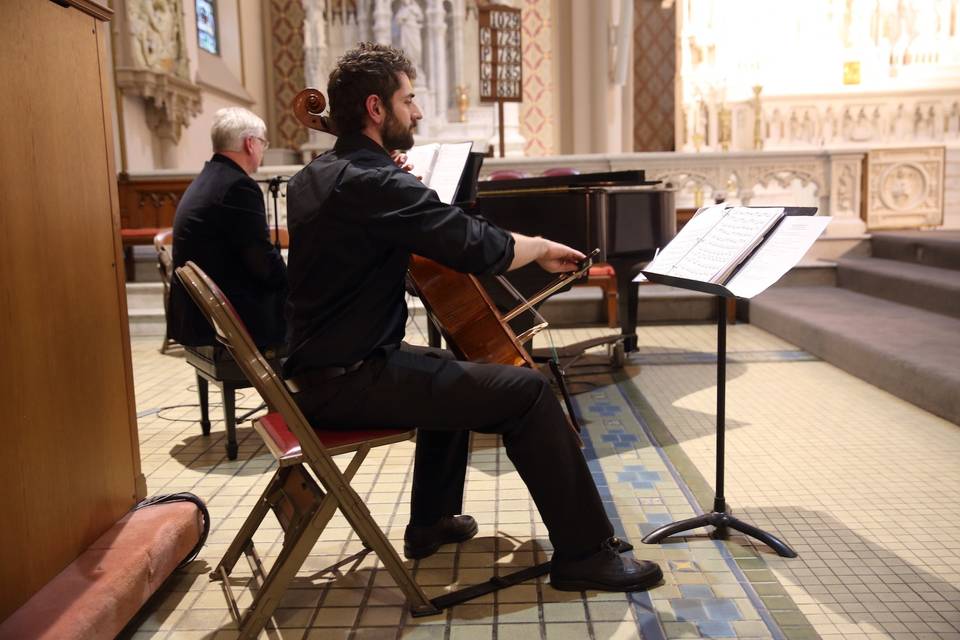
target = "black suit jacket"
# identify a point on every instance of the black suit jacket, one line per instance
(221, 225)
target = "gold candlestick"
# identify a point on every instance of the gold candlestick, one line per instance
(726, 129)
(463, 101)
(757, 118)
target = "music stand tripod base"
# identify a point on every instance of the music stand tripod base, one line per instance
(719, 517)
(722, 521)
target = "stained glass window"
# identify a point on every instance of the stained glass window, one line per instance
(207, 26)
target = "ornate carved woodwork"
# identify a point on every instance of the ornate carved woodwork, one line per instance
(150, 203)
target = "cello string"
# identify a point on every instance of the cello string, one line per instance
(538, 318)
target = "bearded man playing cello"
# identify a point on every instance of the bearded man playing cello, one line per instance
(355, 218)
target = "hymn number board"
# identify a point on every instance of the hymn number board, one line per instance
(501, 58)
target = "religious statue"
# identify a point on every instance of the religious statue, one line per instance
(158, 38)
(900, 127)
(409, 20)
(951, 122)
(829, 126)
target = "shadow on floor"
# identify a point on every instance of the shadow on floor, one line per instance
(852, 576)
(208, 453)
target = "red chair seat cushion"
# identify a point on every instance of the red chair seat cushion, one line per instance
(288, 445)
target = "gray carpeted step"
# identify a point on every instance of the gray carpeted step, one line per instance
(931, 288)
(911, 353)
(145, 295)
(145, 264)
(930, 248)
(147, 322)
(577, 307)
(658, 303)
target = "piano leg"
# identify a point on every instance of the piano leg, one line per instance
(204, 407)
(627, 300)
(230, 419)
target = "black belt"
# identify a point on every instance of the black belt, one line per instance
(314, 377)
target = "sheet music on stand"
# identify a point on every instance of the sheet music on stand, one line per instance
(736, 251)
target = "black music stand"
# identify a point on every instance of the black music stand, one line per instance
(718, 518)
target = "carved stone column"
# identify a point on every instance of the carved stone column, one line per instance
(382, 17)
(471, 54)
(364, 32)
(351, 30)
(437, 47)
(846, 182)
(458, 15)
(315, 50)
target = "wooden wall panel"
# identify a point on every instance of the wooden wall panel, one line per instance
(69, 457)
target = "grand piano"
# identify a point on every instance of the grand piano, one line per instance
(625, 216)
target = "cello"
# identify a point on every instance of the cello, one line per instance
(457, 303)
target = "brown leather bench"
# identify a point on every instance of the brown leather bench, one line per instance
(97, 594)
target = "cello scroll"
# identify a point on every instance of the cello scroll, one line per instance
(308, 106)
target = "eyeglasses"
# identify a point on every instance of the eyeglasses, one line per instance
(266, 143)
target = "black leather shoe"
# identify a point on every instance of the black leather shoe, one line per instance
(605, 570)
(422, 541)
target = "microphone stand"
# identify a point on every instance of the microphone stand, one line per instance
(273, 186)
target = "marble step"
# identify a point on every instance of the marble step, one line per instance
(914, 284)
(939, 248)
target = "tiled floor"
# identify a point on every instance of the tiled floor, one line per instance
(865, 487)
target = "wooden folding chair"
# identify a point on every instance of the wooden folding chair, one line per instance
(300, 504)
(302, 507)
(162, 242)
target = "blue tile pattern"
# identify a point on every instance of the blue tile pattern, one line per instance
(623, 457)
(716, 630)
(648, 624)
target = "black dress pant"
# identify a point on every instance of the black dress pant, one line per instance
(445, 399)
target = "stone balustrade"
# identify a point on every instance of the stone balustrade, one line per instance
(863, 189)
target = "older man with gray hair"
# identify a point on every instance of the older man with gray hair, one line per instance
(221, 225)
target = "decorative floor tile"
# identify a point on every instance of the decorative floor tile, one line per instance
(864, 486)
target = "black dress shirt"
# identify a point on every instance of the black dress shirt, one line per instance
(354, 219)
(221, 225)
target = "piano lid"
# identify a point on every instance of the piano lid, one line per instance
(606, 179)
